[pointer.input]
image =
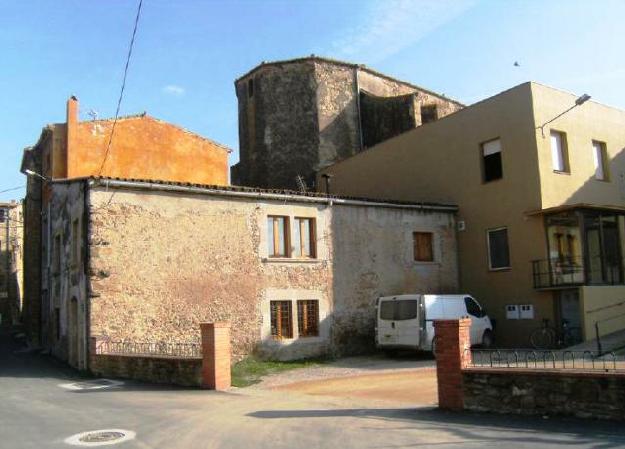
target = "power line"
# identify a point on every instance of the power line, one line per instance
(121, 93)
(11, 189)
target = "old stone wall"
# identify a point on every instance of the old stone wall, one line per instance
(186, 372)
(64, 295)
(385, 117)
(581, 394)
(164, 262)
(296, 117)
(278, 130)
(373, 256)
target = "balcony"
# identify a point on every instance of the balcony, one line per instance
(562, 272)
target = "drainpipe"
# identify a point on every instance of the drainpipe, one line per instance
(86, 269)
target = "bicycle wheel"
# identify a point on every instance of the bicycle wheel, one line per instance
(543, 338)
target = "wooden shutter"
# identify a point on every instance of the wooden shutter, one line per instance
(423, 247)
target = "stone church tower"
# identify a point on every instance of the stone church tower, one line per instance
(300, 115)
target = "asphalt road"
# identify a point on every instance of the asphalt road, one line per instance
(35, 412)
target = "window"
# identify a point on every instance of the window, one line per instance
(491, 160)
(422, 242)
(2, 215)
(75, 243)
(281, 319)
(250, 87)
(304, 238)
(399, 310)
(599, 155)
(559, 156)
(308, 318)
(472, 307)
(278, 236)
(498, 252)
(428, 113)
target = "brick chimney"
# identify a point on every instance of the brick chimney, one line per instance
(72, 129)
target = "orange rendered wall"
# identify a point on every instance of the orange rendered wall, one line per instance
(145, 148)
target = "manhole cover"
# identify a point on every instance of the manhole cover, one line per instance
(99, 437)
(103, 437)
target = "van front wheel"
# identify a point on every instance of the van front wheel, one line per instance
(487, 339)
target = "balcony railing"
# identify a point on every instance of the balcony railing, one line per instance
(574, 271)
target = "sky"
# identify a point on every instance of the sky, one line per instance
(188, 53)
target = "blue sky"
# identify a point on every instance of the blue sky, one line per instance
(188, 52)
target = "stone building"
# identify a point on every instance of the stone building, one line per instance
(11, 244)
(296, 274)
(142, 147)
(300, 115)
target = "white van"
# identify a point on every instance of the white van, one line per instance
(407, 321)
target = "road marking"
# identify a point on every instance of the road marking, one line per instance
(102, 437)
(97, 384)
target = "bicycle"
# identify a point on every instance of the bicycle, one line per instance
(548, 337)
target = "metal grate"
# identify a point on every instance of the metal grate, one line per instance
(578, 360)
(190, 350)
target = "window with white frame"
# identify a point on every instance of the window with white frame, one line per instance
(492, 168)
(599, 155)
(498, 250)
(559, 154)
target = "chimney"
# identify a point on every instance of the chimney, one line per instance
(72, 129)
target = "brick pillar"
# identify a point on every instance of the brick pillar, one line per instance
(453, 353)
(215, 355)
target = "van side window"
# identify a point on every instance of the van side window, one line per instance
(472, 307)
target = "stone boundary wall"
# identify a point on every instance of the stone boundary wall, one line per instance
(560, 392)
(211, 370)
(185, 372)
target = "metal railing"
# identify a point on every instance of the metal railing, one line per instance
(570, 271)
(545, 360)
(155, 349)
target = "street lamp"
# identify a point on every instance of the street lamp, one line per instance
(33, 173)
(578, 102)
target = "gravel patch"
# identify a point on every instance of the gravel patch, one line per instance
(345, 367)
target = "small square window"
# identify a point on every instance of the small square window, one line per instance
(600, 159)
(498, 251)
(281, 319)
(278, 236)
(304, 238)
(429, 113)
(559, 153)
(422, 243)
(492, 168)
(308, 318)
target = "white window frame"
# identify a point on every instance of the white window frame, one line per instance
(559, 161)
(599, 156)
(490, 264)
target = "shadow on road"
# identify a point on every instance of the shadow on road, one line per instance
(478, 427)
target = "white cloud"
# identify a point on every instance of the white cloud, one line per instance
(174, 90)
(392, 25)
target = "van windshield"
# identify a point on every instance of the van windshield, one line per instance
(398, 310)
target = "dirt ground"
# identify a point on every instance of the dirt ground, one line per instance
(405, 380)
(417, 387)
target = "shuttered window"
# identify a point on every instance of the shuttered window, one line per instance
(308, 318)
(423, 251)
(277, 236)
(304, 238)
(281, 319)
